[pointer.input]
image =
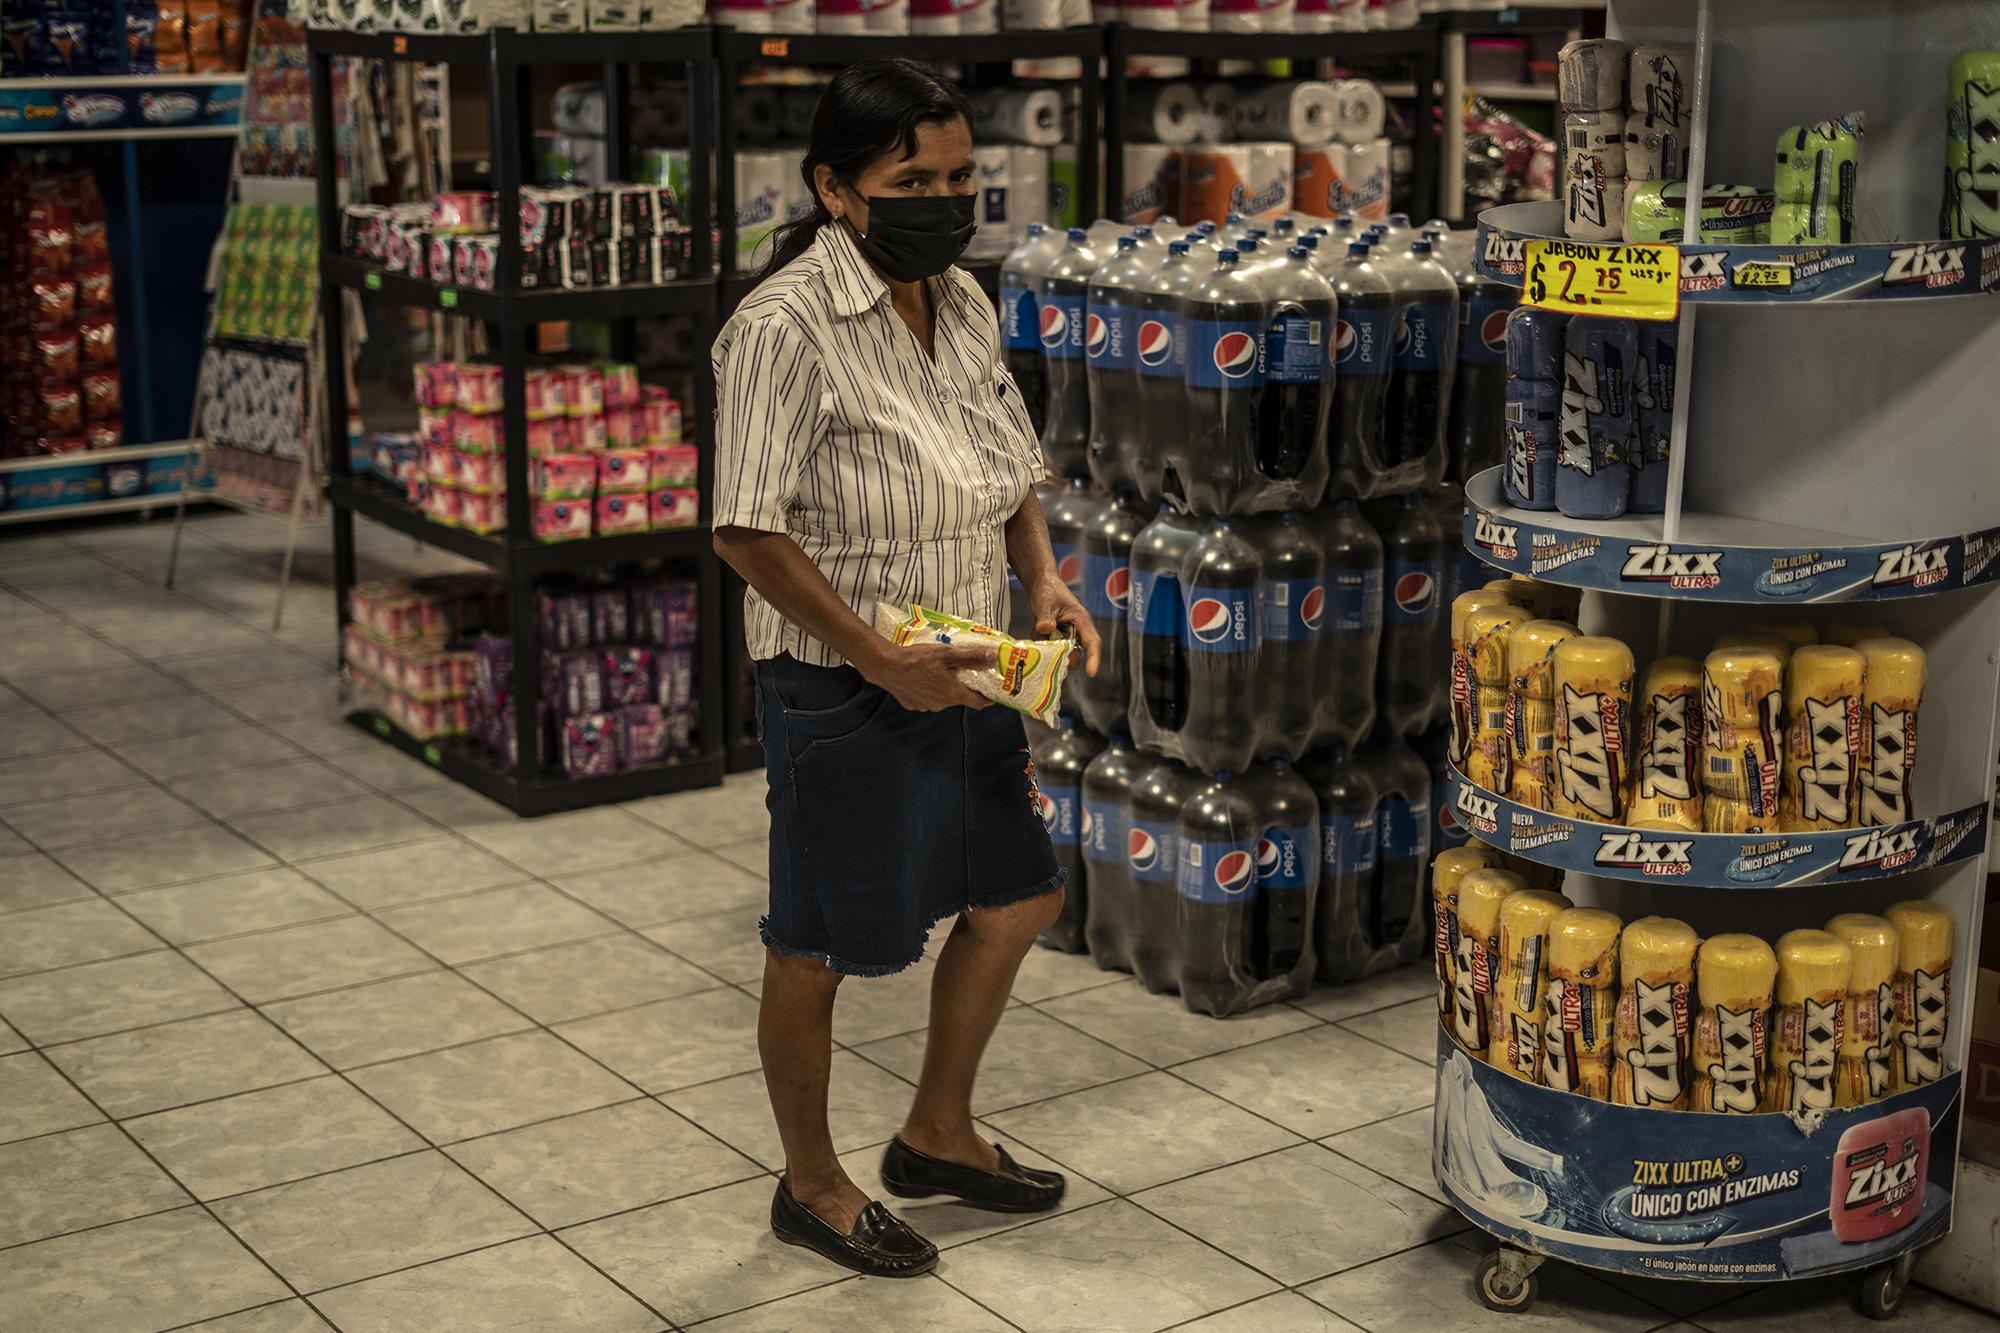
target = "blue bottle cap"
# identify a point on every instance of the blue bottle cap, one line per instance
(1036, 228)
(1142, 232)
(1228, 256)
(1399, 219)
(1078, 235)
(1177, 247)
(1357, 249)
(1247, 246)
(1128, 243)
(1205, 227)
(1420, 247)
(1299, 252)
(1308, 241)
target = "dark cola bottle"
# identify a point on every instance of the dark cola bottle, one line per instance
(1022, 275)
(1157, 662)
(1222, 634)
(1344, 694)
(1410, 676)
(1066, 422)
(1297, 401)
(1349, 847)
(1218, 897)
(1291, 665)
(1152, 853)
(1103, 699)
(1060, 760)
(1400, 916)
(1288, 872)
(1111, 909)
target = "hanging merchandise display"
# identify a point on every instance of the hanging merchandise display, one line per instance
(1734, 1083)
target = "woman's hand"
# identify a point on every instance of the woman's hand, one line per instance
(923, 677)
(1054, 606)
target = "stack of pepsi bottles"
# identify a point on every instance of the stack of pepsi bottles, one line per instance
(1250, 435)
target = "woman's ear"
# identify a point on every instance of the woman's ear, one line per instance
(827, 186)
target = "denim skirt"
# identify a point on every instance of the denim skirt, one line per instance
(885, 821)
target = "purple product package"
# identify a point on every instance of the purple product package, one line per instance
(665, 610)
(589, 746)
(582, 684)
(611, 615)
(492, 668)
(680, 732)
(564, 614)
(674, 670)
(642, 735)
(628, 675)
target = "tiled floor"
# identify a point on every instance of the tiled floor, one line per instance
(296, 1034)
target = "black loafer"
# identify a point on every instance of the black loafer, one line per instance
(881, 1244)
(909, 1174)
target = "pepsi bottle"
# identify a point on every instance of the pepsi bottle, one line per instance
(1069, 515)
(1434, 746)
(1410, 670)
(1218, 897)
(1022, 274)
(1426, 357)
(1213, 463)
(1352, 641)
(1298, 379)
(1060, 759)
(1161, 353)
(1290, 669)
(1152, 849)
(1111, 909)
(1111, 326)
(1363, 352)
(1399, 909)
(1222, 634)
(1475, 436)
(1288, 872)
(1066, 424)
(1349, 845)
(1158, 659)
(1102, 700)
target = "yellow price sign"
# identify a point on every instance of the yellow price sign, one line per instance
(1641, 281)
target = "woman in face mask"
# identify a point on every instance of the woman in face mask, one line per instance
(871, 447)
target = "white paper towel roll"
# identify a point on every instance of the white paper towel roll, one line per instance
(1302, 113)
(1593, 131)
(1350, 15)
(1152, 182)
(1277, 15)
(1151, 15)
(1163, 113)
(1359, 111)
(1590, 74)
(1018, 115)
(1028, 169)
(1076, 13)
(1313, 16)
(848, 18)
(978, 17)
(577, 108)
(1235, 16)
(1661, 80)
(757, 113)
(1654, 152)
(1367, 180)
(1385, 14)
(1030, 15)
(1218, 112)
(1194, 15)
(993, 178)
(1593, 199)
(767, 186)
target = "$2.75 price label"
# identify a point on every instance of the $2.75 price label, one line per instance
(1630, 281)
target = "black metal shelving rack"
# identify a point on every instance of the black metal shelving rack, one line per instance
(1416, 46)
(507, 58)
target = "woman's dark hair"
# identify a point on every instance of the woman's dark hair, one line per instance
(872, 107)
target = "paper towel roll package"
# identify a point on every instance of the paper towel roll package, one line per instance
(1359, 111)
(1235, 16)
(1018, 115)
(862, 17)
(1151, 15)
(951, 18)
(1254, 179)
(1152, 183)
(1030, 15)
(1343, 178)
(577, 108)
(767, 188)
(758, 116)
(1169, 113)
(1194, 15)
(1013, 190)
(1302, 113)
(780, 16)
(796, 107)
(1218, 108)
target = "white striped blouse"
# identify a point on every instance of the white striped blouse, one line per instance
(894, 471)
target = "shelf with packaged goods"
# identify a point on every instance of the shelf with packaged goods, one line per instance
(130, 504)
(751, 48)
(99, 108)
(1766, 274)
(373, 500)
(1717, 557)
(1125, 40)
(123, 454)
(551, 794)
(529, 306)
(510, 49)
(1773, 860)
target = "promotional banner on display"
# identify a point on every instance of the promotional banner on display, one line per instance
(1702, 1196)
(84, 105)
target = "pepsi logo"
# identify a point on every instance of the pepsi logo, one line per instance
(1493, 331)
(1070, 570)
(1096, 334)
(1235, 355)
(1087, 825)
(1235, 871)
(1055, 326)
(1118, 587)
(1047, 806)
(1312, 608)
(1415, 591)
(1345, 340)
(1142, 849)
(1267, 857)
(1403, 336)
(1448, 823)
(1209, 619)
(1156, 343)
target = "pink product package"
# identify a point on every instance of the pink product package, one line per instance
(476, 432)
(485, 473)
(440, 255)
(561, 520)
(610, 615)
(642, 735)
(628, 675)
(434, 426)
(478, 387)
(417, 487)
(563, 476)
(676, 507)
(659, 422)
(588, 434)
(589, 746)
(672, 465)
(441, 505)
(440, 462)
(543, 390)
(674, 688)
(664, 612)
(436, 384)
(621, 513)
(583, 390)
(622, 470)
(621, 385)
(580, 687)
(484, 512)
(550, 435)
(621, 427)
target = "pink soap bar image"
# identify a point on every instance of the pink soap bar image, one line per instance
(1878, 1175)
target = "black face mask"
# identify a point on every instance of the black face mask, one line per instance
(914, 238)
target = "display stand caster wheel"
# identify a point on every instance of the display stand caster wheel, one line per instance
(1883, 1285)
(1507, 1280)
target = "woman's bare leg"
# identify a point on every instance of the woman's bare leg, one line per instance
(795, 1039)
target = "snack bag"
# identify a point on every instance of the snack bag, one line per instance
(1027, 675)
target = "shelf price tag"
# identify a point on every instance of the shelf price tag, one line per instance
(381, 726)
(775, 48)
(432, 755)
(402, 46)
(448, 298)
(1628, 281)
(372, 281)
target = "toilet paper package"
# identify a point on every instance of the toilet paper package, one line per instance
(1168, 113)
(1030, 15)
(1359, 112)
(777, 16)
(1303, 113)
(767, 187)
(1012, 191)
(953, 18)
(1218, 103)
(852, 18)
(758, 115)
(665, 14)
(1152, 183)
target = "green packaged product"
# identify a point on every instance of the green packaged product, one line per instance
(1730, 214)
(1972, 147)
(1818, 173)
